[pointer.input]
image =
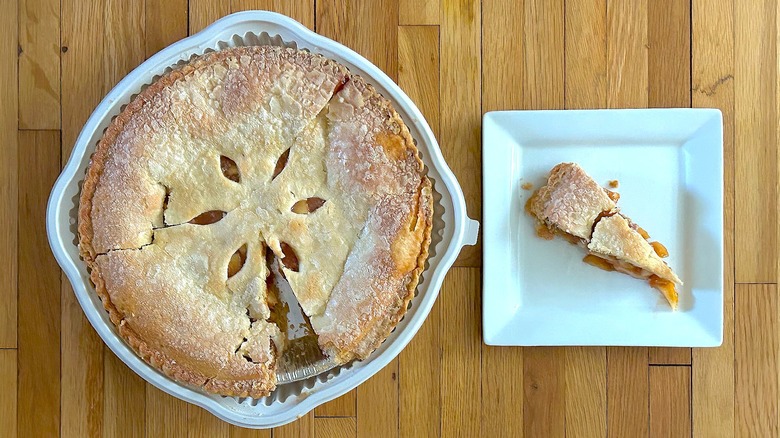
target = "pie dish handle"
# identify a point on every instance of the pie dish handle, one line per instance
(470, 232)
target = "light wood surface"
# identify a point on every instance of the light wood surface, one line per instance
(456, 59)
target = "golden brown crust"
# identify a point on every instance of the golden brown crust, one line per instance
(131, 217)
(613, 236)
(571, 201)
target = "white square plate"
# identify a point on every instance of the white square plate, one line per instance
(669, 163)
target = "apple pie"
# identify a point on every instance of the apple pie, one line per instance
(235, 158)
(577, 208)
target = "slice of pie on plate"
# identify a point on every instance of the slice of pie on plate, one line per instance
(574, 206)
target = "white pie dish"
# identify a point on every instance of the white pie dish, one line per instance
(452, 228)
(669, 164)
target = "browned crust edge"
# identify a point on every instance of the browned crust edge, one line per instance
(381, 332)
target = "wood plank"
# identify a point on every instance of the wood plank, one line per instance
(124, 410)
(344, 406)
(8, 175)
(757, 344)
(420, 364)
(125, 48)
(377, 403)
(166, 416)
(586, 87)
(627, 392)
(335, 427)
(166, 23)
(544, 369)
(502, 391)
(670, 401)
(669, 86)
(502, 88)
(39, 64)
(713, 87)
(627, 54)
(461, 113)
(8, 391)
(461, 395)
(627, 78)
(300, 10)
(300, 428)
(203, 424)
(414, 12)
(348, 21)
(544, 391)
(756, 136)
(39, 279)
(586, 391)
(204, 12)
(240, 432)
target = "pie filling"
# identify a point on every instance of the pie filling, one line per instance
(609, 263)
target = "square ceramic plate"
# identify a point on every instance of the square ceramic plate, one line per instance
(669, 164)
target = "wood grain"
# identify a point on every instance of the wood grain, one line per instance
(460, 106)
(240, 432)
(586, 87)
(713, 59)
(301, 428)
(345, 20)
(39, 64)
(757, 344)
(756, 136)
(203, 424)
(82, 88)
(124, 410)
(378, 405)
(9, 100)
(39, 278)
(544, 391)
(335, 428)
(166, 416)
(413, 12)
(301, 10)
(669, 86)
(344, 406)
(166, 23)
(204, 12)
(461, 394)
(419, 366)
(627, 392)
(8, 391)
(670, 401)
(712, 81)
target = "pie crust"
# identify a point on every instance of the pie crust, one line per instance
(574, 206)
(321, 172)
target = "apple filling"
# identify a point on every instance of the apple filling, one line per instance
(608, 263)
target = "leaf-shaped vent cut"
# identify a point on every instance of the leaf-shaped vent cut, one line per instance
(237, 261)
(290, 259)
(281, 163)
(229, 168)
(208, 217)
(309, 205)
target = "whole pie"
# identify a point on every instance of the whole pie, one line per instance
(235, 158)
(577, 208)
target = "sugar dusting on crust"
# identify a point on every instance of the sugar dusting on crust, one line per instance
(571, 201)
(171, 299)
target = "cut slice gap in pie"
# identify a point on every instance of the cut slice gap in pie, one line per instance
(574, 206)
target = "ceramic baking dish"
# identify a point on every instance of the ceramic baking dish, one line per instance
(452, 227)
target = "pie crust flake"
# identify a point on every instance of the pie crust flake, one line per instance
(240, 155)
(576, 207)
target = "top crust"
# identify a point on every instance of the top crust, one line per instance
(613, 236)
(164, 281)
(571, 201)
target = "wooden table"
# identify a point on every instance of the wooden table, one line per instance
(456, 59)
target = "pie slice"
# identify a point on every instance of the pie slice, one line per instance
(573, 205)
